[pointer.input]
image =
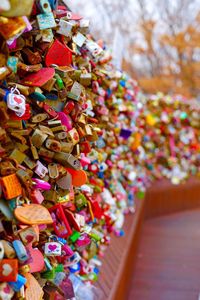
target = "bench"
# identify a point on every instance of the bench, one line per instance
(161, 198)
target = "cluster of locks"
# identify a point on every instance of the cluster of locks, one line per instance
(77, 143)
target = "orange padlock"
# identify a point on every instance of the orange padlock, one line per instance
(8, 270)
(11, 186)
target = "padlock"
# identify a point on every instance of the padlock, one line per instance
(40, 169)
(16, 26)
(50, 111)
(75, 91)
(6, 292)
(1, 250)
(66, 147)
(53, 249)
(39, 118)
(61, 136)
(28, 235)
(29, 163)
(85, 147)
(9, 251)
(46, 130)
(80, 201)
(41, 184)
(68, 107)
(64, 182)
(38, 138)
(7, 168)
(51, 195)
(53, 170)
(85, 79)
(18, 156)
(8, 182)
(53, 145)
(73, 259)
(18, 284)
(46, 153)
(46, 20)
(8, 270)
(73, 136)
(16, 102)
(65, 28)
(48, 86)
(25, 177)
(58, 128)
(36, 196)
(67, 160)
(60, 223)
(20, 250)
(65, 120)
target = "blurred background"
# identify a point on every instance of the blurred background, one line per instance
(157, 42)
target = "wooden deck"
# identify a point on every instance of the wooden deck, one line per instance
(116, 279)
(168, 260)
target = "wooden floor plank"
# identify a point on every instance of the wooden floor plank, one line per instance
(168, 260)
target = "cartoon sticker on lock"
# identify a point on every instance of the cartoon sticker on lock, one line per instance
(52, 248)
(8, 269)
(16, 102)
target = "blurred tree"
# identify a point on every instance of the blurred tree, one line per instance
(161, 39)
(172, 53)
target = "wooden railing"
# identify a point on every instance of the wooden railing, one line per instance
(161, 199)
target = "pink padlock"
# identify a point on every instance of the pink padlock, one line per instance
(36, 196)
(41, 184)
(65, 120)
(84, 160)
(41, 170)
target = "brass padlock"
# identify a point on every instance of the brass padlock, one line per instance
(61, 135)
(29, 163)
(39, 118)
(18, 156)
(46, 153)
(21, 147)
(25, 177)
(46, 130)
(66, 147)
(6, 168)
(32, 57)
(38, 138)
(48, 86)
(2, 134)
(73, 136)
(50, 195)
(53, 170)
(67, 160)
(53, 145)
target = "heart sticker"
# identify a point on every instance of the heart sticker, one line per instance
(6, 270)
(52, 247)
(29, 238)
(7, 289)
(17, 99)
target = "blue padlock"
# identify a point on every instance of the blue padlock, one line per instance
(54, 4)
(17, 285)
(20, 250)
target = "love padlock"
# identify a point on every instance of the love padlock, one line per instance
(16, 102)
(52, 248)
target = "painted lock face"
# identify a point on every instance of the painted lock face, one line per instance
(53, 249)
(16, 102)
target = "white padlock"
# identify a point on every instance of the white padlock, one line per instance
(53, 249)
(16, 102)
